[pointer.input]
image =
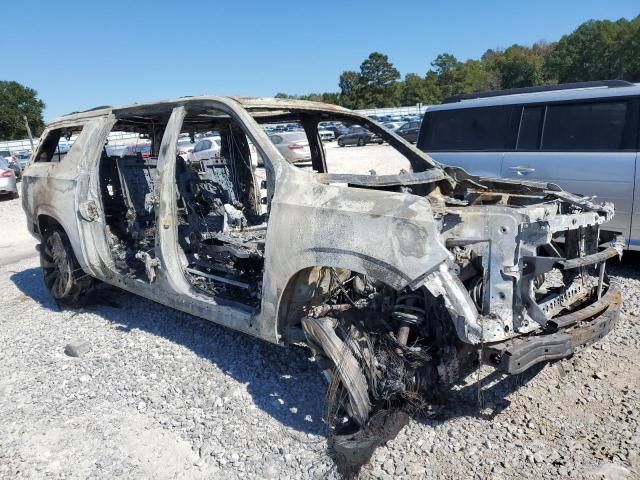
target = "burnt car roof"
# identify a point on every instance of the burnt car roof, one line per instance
(252, 104)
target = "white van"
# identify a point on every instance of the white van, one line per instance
(582, 136)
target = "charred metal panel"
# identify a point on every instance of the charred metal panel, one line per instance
(392, 237)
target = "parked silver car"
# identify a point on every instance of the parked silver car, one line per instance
(583, 137)
(293, 146)
(207, 148)
(7, 179)
(400, 284)
(184, 147)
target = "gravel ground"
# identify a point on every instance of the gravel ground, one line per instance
(165, 395)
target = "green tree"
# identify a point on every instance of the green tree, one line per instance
(16, 101)
(378, 82)
(630, 41)
(416, 89)
(519, 66)
(349, 84)
(449, 73)
(597, 50)
(475, 77)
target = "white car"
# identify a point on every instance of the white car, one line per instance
(393, 126)
(205, 149)
(185, 146)
(293, 146)
(327, 135)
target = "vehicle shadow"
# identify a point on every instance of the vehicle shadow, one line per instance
(483, 397)
(283, 382)
(628, 267)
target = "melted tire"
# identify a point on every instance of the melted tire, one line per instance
(352, 444)
(352, 451)
(63, 276)
(345, 365)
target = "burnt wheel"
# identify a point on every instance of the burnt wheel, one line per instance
(63, 275)
(356, 426)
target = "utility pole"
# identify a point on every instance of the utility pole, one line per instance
(26, 124)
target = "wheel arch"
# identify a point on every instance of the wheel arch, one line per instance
(46, 222)
(300, 289)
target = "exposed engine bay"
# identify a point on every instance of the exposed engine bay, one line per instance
(528, 268)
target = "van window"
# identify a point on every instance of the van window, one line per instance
(470, 129)
(585, 126)
(530, 127)
(57, 144)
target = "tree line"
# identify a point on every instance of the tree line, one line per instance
(596, 50)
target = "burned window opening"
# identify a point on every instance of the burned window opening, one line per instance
(128, 177)
(127, 186)
(221, 227)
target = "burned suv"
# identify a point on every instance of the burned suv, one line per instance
(401, 279)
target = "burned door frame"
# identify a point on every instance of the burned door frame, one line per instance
(169, 251)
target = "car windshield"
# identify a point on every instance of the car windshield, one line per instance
(3, 164)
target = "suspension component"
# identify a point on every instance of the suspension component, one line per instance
(476, 291)
(409, 312)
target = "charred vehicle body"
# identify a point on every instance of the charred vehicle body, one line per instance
(400, 283)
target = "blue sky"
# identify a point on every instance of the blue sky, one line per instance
(81, 54)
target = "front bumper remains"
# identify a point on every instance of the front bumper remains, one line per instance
(580, 328)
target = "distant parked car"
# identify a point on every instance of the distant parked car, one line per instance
(409, 131)
(12, 162)
(63, 148)
(15, 166)
(326, 135)
(115, 150)
(337, 129)
(5, 154)
(393, 126)
(358, 136)
(205, 149)
(7, 179)
(23, 158)
(185, 147)
(293, 146)
(144, 150)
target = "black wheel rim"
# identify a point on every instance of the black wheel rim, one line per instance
(56, 266)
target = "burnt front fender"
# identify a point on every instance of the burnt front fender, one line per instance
(392, 237)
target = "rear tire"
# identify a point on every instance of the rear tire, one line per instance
(361, 142)
(63, 276)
